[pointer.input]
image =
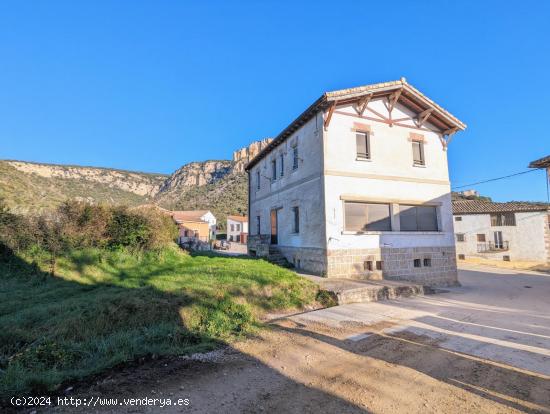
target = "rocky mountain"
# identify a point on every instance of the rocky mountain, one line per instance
(220, 186)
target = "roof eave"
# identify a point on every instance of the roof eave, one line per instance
(342, 97)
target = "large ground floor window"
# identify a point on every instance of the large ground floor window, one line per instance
(362, 216)
(367, 217)
(418, 218)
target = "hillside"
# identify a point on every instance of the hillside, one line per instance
(34, 188)
(220, 186)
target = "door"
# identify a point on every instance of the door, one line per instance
(499, 244)
(274, 227)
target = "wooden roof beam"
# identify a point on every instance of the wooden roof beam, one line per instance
(393, 98)
(423, 117)
(329, 115)
(447, 136)
(362, 104)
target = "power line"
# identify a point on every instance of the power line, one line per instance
(496, 179)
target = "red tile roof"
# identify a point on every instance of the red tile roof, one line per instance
(484, 207)
(189, 215)
(541, 163)
(242, 219)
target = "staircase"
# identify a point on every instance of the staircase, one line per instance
(277, 258)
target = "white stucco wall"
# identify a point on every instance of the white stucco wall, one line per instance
(389, 176)
(300, 187)
(526, 239)
(211, 220)
(242, 228)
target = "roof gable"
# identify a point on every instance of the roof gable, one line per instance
(398, 91)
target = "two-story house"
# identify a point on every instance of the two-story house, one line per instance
(237, 228)
(357, 186)
(513, 231)
(195, 225)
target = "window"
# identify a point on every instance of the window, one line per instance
(367, 265)
(506, 258)
(257, 224)
(367, 217)
(417, 263)
(238, 227)
(461, 257)
(238, 238)
(418, 218)
(458, 218)
(362, 141)
(258, 180)
(296, 216)
(427, 262)
(503, 219)
(499, 240)
(282, 164)
(379, 265)
(230, 238)
(274, 170)
(418, 153)
(481, 238)
(460, 237)
(295, 157)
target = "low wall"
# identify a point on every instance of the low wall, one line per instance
(258, 245)
(437, 264)
(307, 259)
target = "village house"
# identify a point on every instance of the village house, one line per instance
(513, 231)
(237, 229)
(195, 225)
(358, 187)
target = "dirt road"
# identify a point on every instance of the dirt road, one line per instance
(486, 350)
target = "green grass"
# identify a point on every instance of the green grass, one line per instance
(105, 308)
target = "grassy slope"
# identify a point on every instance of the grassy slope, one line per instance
(32, 193)
(105, 308)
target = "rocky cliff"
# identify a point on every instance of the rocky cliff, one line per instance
(138, 183)
(220, 186)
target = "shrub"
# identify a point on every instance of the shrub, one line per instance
(127, 229)
(84, 225)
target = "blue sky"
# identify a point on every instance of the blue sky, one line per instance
(151, 85)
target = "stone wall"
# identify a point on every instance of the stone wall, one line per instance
(258, 245)
(397, 264)
(308, 259)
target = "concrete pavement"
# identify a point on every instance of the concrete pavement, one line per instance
(497, 314)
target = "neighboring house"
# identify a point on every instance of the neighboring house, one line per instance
(543, 163)
(237, 229)
(195, 225)
(358, 186)
(514, 231)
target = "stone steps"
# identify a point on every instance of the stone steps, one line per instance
(346, 291)
(276, 257)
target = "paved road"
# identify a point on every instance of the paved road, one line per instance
(498, 314)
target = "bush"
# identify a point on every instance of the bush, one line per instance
(77, 225)
(17, 232)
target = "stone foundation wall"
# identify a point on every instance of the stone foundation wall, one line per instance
(309, 259)
(258, 245)
(437, 264)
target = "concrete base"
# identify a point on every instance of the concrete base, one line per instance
(347, 291)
